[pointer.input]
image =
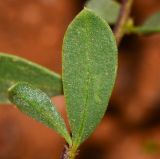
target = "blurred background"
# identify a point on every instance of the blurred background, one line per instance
(131, 127)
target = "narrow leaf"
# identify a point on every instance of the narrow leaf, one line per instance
(151, 25)
(89, 72)
(107, 9)
(14, 69)
(36, 104)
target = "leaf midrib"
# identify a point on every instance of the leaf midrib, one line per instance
(83, 121)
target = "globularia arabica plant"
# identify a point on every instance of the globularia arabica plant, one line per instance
(89, 72)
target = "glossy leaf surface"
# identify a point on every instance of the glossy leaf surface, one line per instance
(107, 9)
(14, 69)
(37, 104)
(89, 72)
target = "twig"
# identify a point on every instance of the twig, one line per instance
(64, 153)
(122, 20)
(69, 153)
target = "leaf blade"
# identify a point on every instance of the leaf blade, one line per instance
(89, 71)
(36, 104)
(107, 9)
(14, 69)
(151, 25)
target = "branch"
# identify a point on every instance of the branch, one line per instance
(69, 153)
(122, 20)
(64, 153)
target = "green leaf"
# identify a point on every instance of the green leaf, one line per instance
(151, 25)
(89, 72)
(14, 69)
(36, 104)
(107, 9)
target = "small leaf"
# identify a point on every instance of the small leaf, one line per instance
(89, 72)
(36, 104)
(151, 25)
(107, 9)
(14, 69)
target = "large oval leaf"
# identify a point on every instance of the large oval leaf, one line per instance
(89, 72)
(107, 9)
(14, 69)
(35, 103)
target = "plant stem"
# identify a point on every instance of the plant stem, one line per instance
(69, 153)
(64, 152)
(119, 29)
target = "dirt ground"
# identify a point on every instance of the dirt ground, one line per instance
(131, 127)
